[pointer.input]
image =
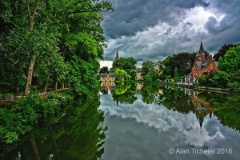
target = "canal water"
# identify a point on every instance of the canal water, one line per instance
(154, 123)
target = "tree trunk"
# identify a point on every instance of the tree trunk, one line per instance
(30, 73)
(62, 85)
(45, 88)
(31, 23)
(56, 86)
(31, 14)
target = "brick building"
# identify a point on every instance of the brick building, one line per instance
(204, 63)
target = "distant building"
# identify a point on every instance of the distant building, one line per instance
(203, 64)
(107, 77)
(139, 74)
(107, 81)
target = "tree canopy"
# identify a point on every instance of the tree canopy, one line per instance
(41, 41)
(127, 64)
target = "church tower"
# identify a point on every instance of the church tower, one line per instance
(116, 57)
(201, 55)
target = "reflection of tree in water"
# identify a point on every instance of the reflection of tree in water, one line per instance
(149, 93)
(227, 107)
(125, 93)
(224, 106)
(182, 100)
(172, 98)
(74, 134)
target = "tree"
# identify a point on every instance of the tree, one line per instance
(230, 63)
(147, 66)
(35, 35)
(183, 62)
(104, 70)
(83, 77)
(176, 74)
(127, 64)
(229, 67)
(121, 75)
(165, 66)
(223, 50)
(219, 79)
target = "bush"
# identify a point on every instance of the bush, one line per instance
(21, 118)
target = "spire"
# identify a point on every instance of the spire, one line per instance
(201, 50)
(116, 58)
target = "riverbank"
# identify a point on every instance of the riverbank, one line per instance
(14, 98)
(210, 89)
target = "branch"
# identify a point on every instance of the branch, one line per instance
(28, 8)
(35, 7)
(68, 7)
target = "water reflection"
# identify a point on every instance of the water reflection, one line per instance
(136, 122)
(76, 133)
(163, 118)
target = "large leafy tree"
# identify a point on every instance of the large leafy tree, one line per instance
(121, 75)
(35, 34)
(147, 66)
(229, 70)
(223, 50)
(165, 66)
(127, 64)
(231, 65)
(183, 62)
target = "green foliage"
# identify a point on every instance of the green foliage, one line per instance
(223, 50)
(150, 72)
(149, 93)
(176, 75)
(219, 79)
(125, 93)
(82, 76)
(67, 41)
(229, 70)
(22, 117)
(78, 134)
(121, 75)
(231, 61)
(202, 80)
(62, 29)
(227, 108)
(127, 64)
(183, 62)
(147, 66)
(151, 77)
(165, 66)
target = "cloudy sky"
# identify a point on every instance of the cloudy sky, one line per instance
(154, 29)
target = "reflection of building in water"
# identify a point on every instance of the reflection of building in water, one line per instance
(201, 108)
(107, 82)
(139, 86)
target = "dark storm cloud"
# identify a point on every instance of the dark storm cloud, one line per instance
(137, 15)
(154, 29)
(227, 31)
